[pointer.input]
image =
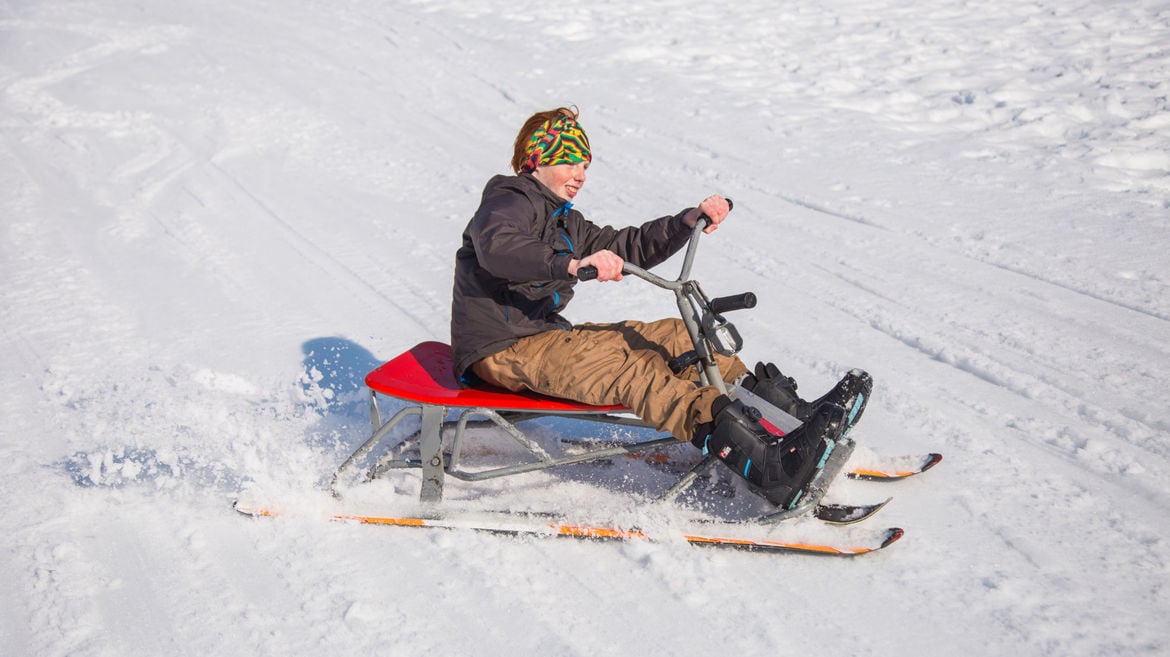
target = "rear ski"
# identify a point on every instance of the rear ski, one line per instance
(739, 536)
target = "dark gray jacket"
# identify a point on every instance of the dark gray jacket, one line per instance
(512, 272)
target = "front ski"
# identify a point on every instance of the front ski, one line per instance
(847, 514)
(539, 525)
(893, 468)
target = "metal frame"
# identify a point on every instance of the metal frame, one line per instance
(436, 463)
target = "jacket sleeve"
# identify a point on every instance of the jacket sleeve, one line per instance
(501, 232)
(647, 245)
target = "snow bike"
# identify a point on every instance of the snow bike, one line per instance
(423, 378)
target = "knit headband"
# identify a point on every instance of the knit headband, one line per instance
(560, 142)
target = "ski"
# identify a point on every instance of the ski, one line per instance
(766, 539)
(893, 468)
(847, 514)
(871, 541)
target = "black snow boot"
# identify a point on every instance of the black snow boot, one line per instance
(850, 393)
(778, 466)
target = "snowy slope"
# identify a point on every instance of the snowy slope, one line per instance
(216, 217)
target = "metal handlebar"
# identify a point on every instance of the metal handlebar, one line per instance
(589, 272)
(702, 316)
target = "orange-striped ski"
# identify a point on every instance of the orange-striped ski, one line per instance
(844, 543)
(893, 469)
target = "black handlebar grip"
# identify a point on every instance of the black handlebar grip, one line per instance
(586, 273)
(678, 365)
(733, 302)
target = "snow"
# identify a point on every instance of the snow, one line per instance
(218, 216)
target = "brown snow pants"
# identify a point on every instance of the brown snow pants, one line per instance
(623, 363)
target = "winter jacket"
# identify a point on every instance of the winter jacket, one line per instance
(512, 271)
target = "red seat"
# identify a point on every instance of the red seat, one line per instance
(426, 375)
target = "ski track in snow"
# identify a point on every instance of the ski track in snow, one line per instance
(217, 218)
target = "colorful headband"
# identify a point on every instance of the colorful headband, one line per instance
(562, 142)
